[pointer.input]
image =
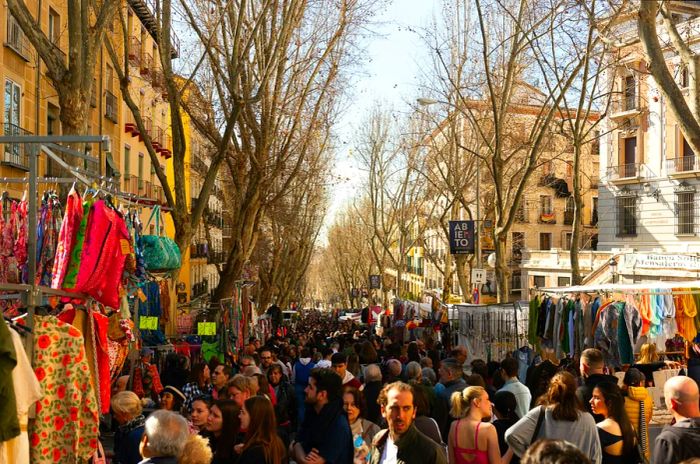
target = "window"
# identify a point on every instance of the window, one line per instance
(630, 93)
(569, 211)
(16, 39)
(595, 143)
(516, 282)
(594, 211)
(563, 281)
(687, 149)
(539, 281)
(54, 27)
(518, 241)
(545, 241)
(626, 209)
(685, 213)
(568, 236)
(109, 79)
(630, 157)
(545, 204)
(13, 97)
(127, 162)
(521, 213)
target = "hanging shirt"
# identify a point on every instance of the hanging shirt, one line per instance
(9, 425)
(67, 419)
(27, 392)
(66, 237)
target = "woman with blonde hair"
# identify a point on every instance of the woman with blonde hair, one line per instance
(126, 409)
(471, 441)
(559, 416)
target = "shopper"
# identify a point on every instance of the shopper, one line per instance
(591, 366)
(471, 439)
(126, 409)
(165, 435)
(401, 441)
(504, 406)
(681, 440)
(171, 399)
(617, 438)
(563, 418)
(554, 452)
(639, 406)
(200, 384)
(363, 431)
(200, 412)
(224, 424)
(285, 408)
(513, 385)
(262, 445)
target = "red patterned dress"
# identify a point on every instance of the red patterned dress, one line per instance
(66, 425)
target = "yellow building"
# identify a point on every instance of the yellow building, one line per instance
(30, 103)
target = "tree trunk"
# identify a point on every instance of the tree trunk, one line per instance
(461, 268)
(447, 283)
(502, 269)
(578, 218)
(73, 111)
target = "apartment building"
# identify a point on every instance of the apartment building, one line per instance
(546, 211)
(649, 192)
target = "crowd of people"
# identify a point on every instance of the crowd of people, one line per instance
(342, 394)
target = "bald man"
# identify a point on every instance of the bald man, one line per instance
(681, 440)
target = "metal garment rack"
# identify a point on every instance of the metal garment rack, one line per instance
(36, 146)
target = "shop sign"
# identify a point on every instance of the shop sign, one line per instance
(658, 261)
(461, 237)
(375, 281)
(206, 328)
(148, 323)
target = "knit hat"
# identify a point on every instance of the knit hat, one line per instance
(633, 377)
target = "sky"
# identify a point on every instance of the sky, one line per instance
(390, 75)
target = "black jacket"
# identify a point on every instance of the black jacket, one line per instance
(585, 391)
(668, 448)
(371, 392)
(329, 432)
(414, 447)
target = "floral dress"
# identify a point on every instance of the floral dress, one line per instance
(66, 425)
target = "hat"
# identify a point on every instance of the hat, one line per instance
(633, 376)
(174, 391)
(146, 351)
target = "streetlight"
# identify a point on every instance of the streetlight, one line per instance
(613, 269)
(424, 101)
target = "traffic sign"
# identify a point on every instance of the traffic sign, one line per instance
(478, 276)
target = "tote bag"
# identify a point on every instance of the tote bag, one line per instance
(160, 253)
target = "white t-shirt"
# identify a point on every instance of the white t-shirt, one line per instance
(390, 451)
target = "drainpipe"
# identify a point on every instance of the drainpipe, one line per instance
(37, 86)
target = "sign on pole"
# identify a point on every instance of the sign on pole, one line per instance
(355, 292)
(478, 276)
(375, 281)
(461, 237)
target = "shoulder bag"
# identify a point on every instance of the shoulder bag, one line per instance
(160, 253)
(540, 419)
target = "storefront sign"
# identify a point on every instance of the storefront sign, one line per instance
(658, 261)
(375, 281)
(461, 237)
(206, 328)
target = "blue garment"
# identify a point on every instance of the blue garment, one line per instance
(524, 356)
(329, 432)
(126, 442)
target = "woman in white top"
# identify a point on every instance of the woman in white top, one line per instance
(563, 419)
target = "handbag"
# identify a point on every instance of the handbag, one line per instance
(160, 253)
(99, 457)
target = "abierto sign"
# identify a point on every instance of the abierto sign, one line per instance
(461, 237)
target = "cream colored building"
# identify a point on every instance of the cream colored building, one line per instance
(649, 173)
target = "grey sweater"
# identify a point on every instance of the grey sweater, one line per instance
(582, 433)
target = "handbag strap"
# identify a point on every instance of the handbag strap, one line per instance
(155, 212)
(540, 419)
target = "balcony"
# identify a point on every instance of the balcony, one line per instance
(594, 217)
(684, 166)
(146, 66)
(626, 173)
(199, 250)
(131, 185)
(522, 215)
(147, 189)
(166, 149)
(134, 51)
(625, 106)
(547, 217)
(158, 194)
(147, 12)
(130, 126)
(147, 125)
(156, 138)
(111, 106)
(16, 40)
(216, 257)
(15, 155)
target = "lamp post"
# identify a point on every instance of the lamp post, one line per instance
(613, 269)
(423, 101)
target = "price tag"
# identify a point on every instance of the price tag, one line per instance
(148, 323)
(206, 328)
(126, 246)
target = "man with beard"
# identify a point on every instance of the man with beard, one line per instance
(324, 435)
(402, 442)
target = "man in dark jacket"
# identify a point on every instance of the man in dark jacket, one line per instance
(591, 367)
(402, 442)
(164, 437)
(324, 435)
(681, 396)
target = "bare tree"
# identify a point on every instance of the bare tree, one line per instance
(72, 78)
(686, 110)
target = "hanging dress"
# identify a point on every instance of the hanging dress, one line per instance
(66, 237)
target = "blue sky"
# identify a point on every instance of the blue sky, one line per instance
(391, 75)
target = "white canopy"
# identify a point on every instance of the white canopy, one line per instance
(657, 285)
